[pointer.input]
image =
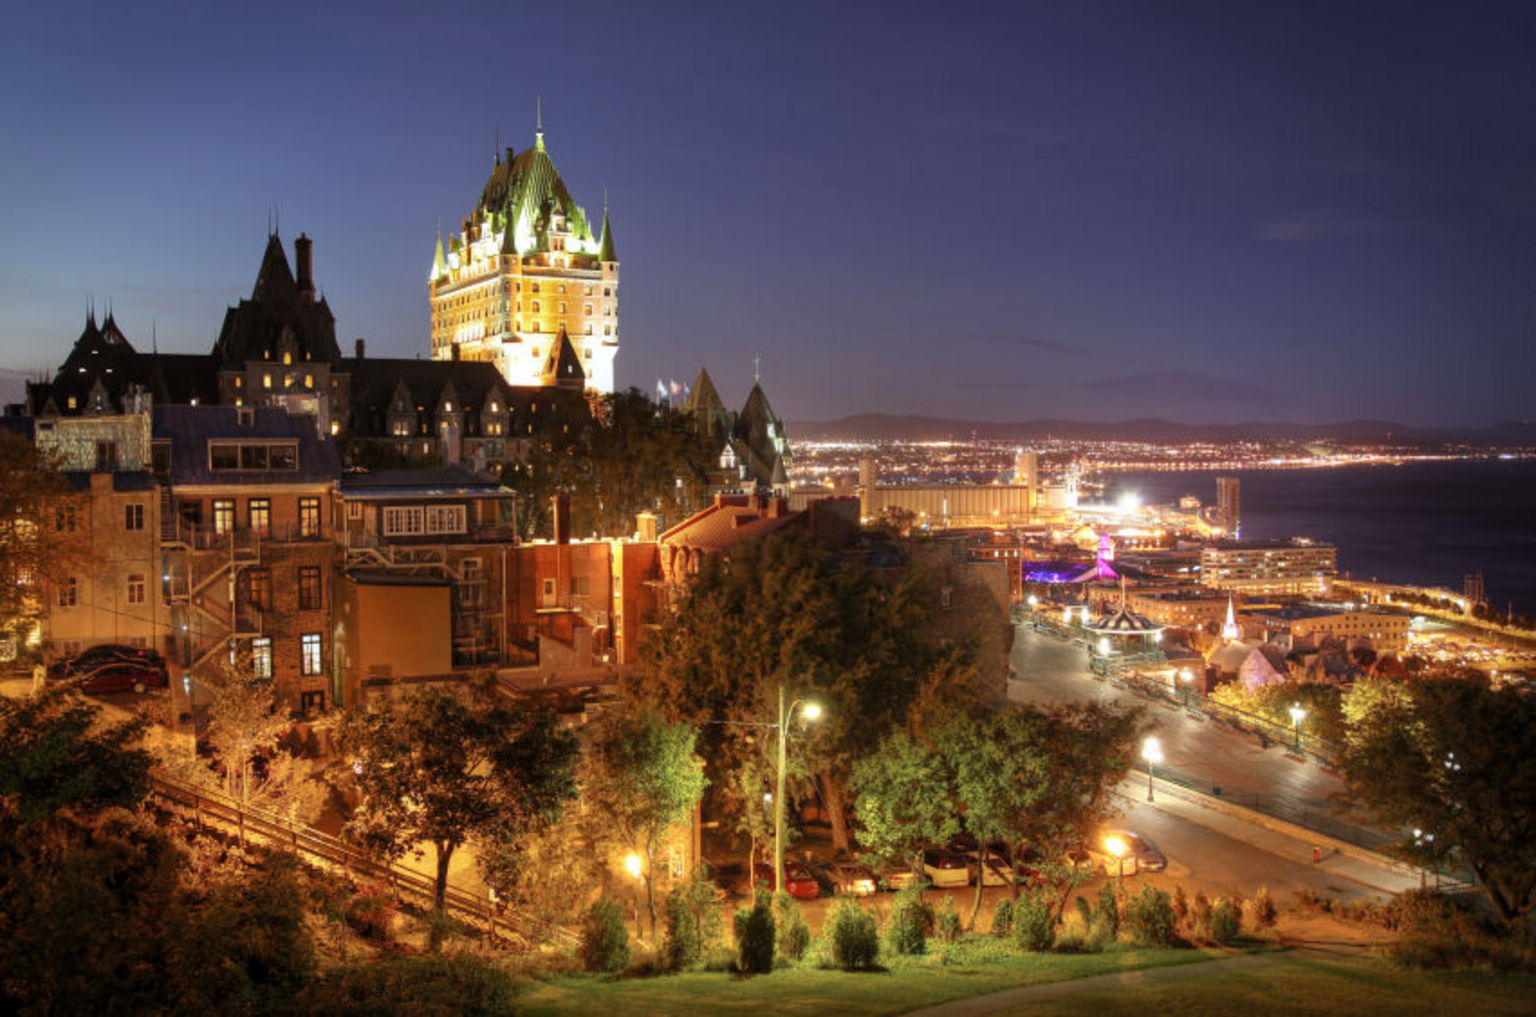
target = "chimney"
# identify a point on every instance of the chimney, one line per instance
(645, 527)
(359, 348)
(455, 351)
(562, 507)
(306, 280)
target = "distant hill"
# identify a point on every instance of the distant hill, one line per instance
(890, 427)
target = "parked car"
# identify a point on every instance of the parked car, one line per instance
(1117, 853)
(798, 879)
(848, 877)
(997, 868)
(945, 868)
(94, 657)
(897, 877)
(122, 676)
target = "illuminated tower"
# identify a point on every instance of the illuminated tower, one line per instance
(1229, 503)
(1230, 631)
(523, 268)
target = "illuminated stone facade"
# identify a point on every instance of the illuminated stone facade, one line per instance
(524, 267)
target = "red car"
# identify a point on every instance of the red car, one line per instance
(120, 676)
(798, 879)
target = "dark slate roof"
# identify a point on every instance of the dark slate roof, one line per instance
(188, 429)
(254, 329)
(374, 381)
(441, 480)
(104, 361)
(525, 189)
(563, 367)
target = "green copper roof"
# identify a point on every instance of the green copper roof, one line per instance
(439, 263)
(605, 249)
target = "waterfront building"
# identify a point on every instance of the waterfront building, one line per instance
(1229, 504)
(1308, 625)
(1276, 568)
(524, 268)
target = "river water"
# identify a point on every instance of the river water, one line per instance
(1424, 523)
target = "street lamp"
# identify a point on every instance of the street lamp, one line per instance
(1297, 713)
(810, 711)
(633, 865)
(1152, 752)
(1117, 847)
(1186, 679)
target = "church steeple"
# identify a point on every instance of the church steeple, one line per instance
(538, 123)
(1229, 631)
(439, 263)
(605, 245)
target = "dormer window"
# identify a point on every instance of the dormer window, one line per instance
(448, 406)
(287, 357)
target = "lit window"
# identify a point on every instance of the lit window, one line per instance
(310, 658)
(261, 657)
(223, 516)
(309, 517)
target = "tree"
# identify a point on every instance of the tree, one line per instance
(644, 775)
(632, 456)
(781, 613)
(254, 761)
(443, 767)
(42, 527)
(905, 798)
(56, 756)
(1451, 757)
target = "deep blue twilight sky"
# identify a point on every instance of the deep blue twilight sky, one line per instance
(1208, 212)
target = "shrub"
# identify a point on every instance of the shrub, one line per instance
(1032, 926)
(1180, 906)
(1002, 918)
(1200, 916)
(371, 914)
(1309, 903)
(680, 946)
(1073, 942)
(1084, 913)
(911, 920)
(1149, 917)
(793, 935)
(946, 921)
(604, 937)
(1263, 913)
(1108, 910)
(1098, 935)
(408, 986)
(852, 936)
(1226, 920)
(754, 936)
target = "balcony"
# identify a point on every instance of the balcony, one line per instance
(241, 541)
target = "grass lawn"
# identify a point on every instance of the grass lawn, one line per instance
(1301, 984)
(965, 969)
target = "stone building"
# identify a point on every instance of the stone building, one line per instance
(523, 268)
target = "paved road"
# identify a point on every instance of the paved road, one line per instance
(1052, 670)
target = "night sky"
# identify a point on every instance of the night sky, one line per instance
(1208, 213)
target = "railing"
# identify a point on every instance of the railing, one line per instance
(206, 808)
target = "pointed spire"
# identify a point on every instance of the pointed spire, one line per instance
(1229, 631)
(439, 263)
(605, 250)
(538, 122)
(496, 151)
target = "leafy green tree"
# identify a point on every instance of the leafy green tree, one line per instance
(780, 613)
(643, 774)
(905, 798)
(55, 755)
(1451, 757)
(632, 456)
(443, 767)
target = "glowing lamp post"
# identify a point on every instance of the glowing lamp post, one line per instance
(1119, 848)
(1186, 679)
(1152, 752)
(1297, 713)
(810, 711)
(633, 865)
